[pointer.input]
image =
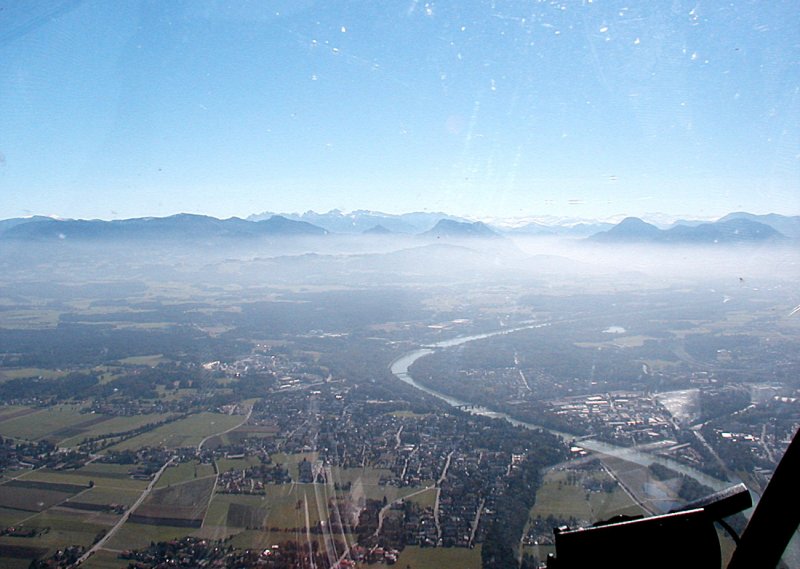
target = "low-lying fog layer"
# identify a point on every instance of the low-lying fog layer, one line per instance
(365, 260)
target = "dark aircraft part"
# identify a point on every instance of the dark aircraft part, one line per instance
(687, 538)
(776, 517)
(723, 503)
(682, 539)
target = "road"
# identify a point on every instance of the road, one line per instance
(400, 500)
(246, 418)
(124, 518)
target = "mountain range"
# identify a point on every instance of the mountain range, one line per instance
(726, 231)
(361, 221)
(739, 227)
(182, 226)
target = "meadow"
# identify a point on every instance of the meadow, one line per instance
(186, 432)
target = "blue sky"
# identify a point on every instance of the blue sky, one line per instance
(489, 109)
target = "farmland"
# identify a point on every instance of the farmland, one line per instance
(185, 472)
(35, 496)
(112, 425)
(564, 493)
(55, 527)
(100, 475)
(183, 504)
(573, 495)
(425, 558)
(266, 417)
(186, 432)
(134, 535)
(45, 423)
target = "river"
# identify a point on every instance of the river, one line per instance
(400, 366)
(399, 369)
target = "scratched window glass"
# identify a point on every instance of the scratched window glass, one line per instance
(339, 284)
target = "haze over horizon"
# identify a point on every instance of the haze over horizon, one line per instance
(580, 110)
(656, 218)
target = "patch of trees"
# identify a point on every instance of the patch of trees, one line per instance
(548, 359)
(706, 346)
(71, 387)
(368, 521)
(253, 385)
(720, 402)
(382, 385)
(735, 454)
(330, 311)
(512, 507)
(689, 489)
(185, 313)
(141, 382)
(543, 447)
(85, 345)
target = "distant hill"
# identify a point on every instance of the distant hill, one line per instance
(377, 230)
(739, 227)
(184, 227)
(630, 229)
(576, 230)
(448, 228)
(689, 222)
(359, 221)
(6, 224)
(279, 225)
(634, 230)
(787, 225)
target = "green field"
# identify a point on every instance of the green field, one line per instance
(102, 475)
(562, 497)
(106, 496)
(35, 496)
(59, 528)
(44, 422)
(217, 513)
(9, 517)
(290, 461)
(137, 536)
(236, 436)
(365, 483)
(256, 539)
(426, 499)
(23, 372)
(37, 317)
(8, 412)
(12, 563)
(415, 557)
(184, 501)
(283, 507)
(105, 560)
(153, 360)
(186, 432)
(226, 464)
(287, 505)
(184, 472)
(113, 425)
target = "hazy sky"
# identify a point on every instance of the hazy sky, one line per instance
(593, 108)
